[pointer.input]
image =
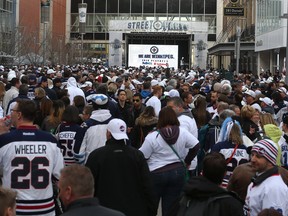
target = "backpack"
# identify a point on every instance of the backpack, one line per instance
(198, 207)
(202, 136)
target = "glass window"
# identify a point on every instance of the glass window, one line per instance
(100, 6)
(161, 6)
(148, 6)
(186, 6)
(74, 6)
(210, 7)
(136, 6)
(112, 6)
(198, 6)
(173, 6)
(124, 6)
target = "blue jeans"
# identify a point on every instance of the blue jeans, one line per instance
(168, 186)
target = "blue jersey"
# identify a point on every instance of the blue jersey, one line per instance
(70, 137)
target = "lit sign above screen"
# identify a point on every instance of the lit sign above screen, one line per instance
(153, 55)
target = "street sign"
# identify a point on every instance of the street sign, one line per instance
(233, 11)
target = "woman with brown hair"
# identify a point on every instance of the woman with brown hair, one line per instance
(43, 111)
(166, 154)
(249, 116)
(145, 123)
(52, 121)
(201, 115)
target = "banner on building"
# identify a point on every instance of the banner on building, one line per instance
(115, 49)
(201, 50)
(157, 26)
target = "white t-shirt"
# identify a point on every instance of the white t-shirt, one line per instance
(155, 103)
(190, 125)
(160, 154)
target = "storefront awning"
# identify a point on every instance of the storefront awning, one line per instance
(227, 49)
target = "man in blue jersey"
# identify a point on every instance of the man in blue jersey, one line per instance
(29, 158)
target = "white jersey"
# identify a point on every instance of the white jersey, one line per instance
(29, 157)
(284, 151)
(271, 193)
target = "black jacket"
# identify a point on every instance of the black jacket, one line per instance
(87, 207)
(200, 188)
(122, 179)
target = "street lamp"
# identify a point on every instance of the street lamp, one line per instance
(82, 9)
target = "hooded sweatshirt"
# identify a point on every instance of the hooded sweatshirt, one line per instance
(73, 90)
(170, 134)
(200, 188)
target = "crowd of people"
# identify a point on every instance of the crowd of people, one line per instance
(86, 139)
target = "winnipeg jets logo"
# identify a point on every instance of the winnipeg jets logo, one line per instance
(154, 49)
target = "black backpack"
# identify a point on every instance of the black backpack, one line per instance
(198, 207)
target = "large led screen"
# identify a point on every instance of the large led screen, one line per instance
(153, 55)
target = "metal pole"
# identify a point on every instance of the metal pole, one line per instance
(238, 34)
(44, 42)
(82, 48)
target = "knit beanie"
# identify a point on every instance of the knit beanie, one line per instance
(266, 148)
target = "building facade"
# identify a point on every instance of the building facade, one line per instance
(97, 40)
(271, 35)
(33, 31)
(223, 52)
(7, 25)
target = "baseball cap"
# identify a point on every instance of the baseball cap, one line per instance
(42, 79)
(117, 128)
(267, 101)
(266, 148)
(99, 99)
(32, 78)
(250, 93)
(119, 79)
(50, 71)
(282, 90)
(154, 82)
(174, 93)
(87, 83)
(257, 107)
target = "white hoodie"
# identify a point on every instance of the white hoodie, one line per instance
(73, 90)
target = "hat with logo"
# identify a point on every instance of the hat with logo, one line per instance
(117, 128)
(266, 148)
(99, 99)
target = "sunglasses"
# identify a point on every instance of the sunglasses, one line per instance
(136, 100)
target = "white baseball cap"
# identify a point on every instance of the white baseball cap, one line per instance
(154, 82)
(51, 71)
(267, 101)
(174, 93)
(117, 128)
(282, 90)
(251, 93)
(87, 83)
